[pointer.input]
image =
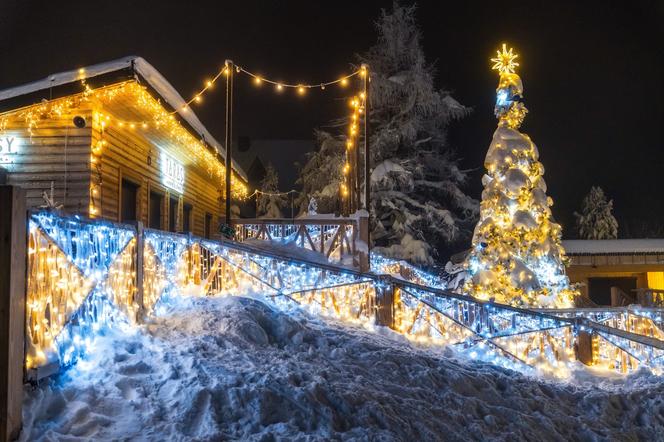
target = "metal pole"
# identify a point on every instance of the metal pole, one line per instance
(367, 161)
(229, 136)
(367, 157)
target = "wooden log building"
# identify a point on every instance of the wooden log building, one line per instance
(115, 141)
(617, 271)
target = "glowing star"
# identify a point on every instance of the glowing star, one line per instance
(505, 61)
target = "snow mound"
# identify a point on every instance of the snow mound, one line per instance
(237, 369)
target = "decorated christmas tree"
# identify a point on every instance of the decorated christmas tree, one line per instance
(516, 257)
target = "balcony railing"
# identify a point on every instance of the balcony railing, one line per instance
(340, 240)
(650, 297)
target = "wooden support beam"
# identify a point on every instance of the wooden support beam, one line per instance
(13, 238)
(385, 304)
(140, 247)
(584, 347)
(363, 250)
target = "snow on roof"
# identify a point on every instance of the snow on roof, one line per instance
(157, 81)
(613, 246)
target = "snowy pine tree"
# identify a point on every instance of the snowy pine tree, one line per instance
(270, 201)
(322, 175)
(417, 202)
(596, 220)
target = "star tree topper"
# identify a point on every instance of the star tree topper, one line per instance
(505, 61)
(509, 109)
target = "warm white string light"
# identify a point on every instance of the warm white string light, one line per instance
(260, 192)
(301, 87)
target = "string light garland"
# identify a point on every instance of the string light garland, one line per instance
(197, 98)
(350, 174)
(300, 87)
(260, 192)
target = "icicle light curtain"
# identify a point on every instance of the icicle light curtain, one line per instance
(84, 276)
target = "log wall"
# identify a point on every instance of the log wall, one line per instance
(57, 152)
(136, 156)
(87, 177)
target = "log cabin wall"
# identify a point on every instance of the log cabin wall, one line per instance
(136, 156)
(87, 165)
(56, 152)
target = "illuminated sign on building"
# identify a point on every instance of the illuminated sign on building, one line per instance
(8, 148)
(172, 173)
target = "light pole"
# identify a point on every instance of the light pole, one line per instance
(367, 157)
(229, 136)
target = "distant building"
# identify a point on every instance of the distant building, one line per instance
(115, 141)
(630, 265)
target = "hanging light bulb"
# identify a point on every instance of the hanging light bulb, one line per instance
(344, 81)
(279, 87)
(300, 90)
(258, 80)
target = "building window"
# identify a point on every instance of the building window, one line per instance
(128, 197)
(156, 203)
(186, 218)
(208, 225)
(173, 214)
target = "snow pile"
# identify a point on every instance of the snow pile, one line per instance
(234, 368)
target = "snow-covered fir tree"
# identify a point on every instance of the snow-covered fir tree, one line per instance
(417, 201)
(596, 220)
(516, 256)
(270, 201)
(321, 175)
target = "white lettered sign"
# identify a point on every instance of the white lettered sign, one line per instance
(8, 148)
(172, 173)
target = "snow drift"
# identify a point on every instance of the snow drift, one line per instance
(235, 368)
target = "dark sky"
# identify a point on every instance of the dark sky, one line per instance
(593, 73)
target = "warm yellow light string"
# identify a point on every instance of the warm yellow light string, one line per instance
(260, 79)
(300, 87)
(260, 192)
(196, 98)
(208, 85)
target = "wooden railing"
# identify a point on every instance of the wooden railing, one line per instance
(338, 240)
(650, 297)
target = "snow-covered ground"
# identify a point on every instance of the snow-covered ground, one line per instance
(235, 368)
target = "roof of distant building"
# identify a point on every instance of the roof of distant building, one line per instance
(613, 246)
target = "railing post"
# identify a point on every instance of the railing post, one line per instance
(385, 303)
(140, 242)
(13, 238)
(585, 350)
(363, 235)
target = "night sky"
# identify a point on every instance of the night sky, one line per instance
(593, 74)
